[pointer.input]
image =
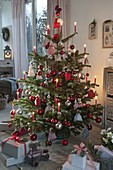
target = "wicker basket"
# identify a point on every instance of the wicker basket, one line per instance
(105, 164)
(3, 102)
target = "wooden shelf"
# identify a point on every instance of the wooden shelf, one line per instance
(6, 68)
(108, 97)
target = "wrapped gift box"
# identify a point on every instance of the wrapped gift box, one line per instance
(78, 161)
(68, 166)
(9, 161)
(15, 149)
(4, 127)
(106, 153)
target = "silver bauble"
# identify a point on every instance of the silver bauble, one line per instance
(18, 111)
(27, 92)
(58, 125)
(67, 103)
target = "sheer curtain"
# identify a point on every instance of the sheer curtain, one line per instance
(19, 37)
(51, 14)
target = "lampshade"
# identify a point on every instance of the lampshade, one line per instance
(7, 52)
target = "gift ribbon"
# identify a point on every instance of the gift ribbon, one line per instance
(17, 139)
(79, 150)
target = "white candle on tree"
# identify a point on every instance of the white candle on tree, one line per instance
(95, 79)
(84, 48)
(48, 29)
(58, 106)
(75, 26)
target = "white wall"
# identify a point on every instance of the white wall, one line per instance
(6, 21)
(84, 12)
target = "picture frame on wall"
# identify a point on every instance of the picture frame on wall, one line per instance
(108, 34)
(92, 30)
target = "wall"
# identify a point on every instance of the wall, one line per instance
(6, 21)
(84, 12)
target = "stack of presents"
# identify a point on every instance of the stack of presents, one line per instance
(79, 159)
(82, 158)
(18, 149)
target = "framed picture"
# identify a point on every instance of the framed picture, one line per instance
(92, 30)
(108, 34)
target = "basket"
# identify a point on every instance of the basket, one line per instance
(105, 164)
(3, 102)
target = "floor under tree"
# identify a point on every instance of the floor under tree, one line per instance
(58, 153)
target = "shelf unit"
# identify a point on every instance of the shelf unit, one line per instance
(108, 97)
(6, 68)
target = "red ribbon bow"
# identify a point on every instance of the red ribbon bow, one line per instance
(80, 148)
(17, 139)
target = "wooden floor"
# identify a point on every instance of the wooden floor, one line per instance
(58, 153)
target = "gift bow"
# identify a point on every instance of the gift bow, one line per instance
(80, 148)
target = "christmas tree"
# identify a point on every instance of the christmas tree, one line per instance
(55, 96)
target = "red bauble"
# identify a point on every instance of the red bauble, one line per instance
(72, 78)
(33, 137)
(74, 72)
(43, 84)
(32, 98)
(54, 120)
(89, 127)
(90, 115)
(53, 73)
(57, 14)
(40, 111)
(65, 122)
(72, 98)
(48, 143)
(87, 105)
(68, 124)
(87, 74)
(56, 7)
(62, 52)
(39, 73)
(63, 73)
(44, 101)
(29, 130)
(91, 94)
(48, 75)
(41, 67)
(98, 119)
(72, 47)
(56, 37)
(19, 90)
(13, 112)
(64, 142)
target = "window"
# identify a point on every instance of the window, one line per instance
(36, 16)
(29, 26)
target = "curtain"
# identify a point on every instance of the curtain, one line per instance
(19, 37)
(51, 14)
